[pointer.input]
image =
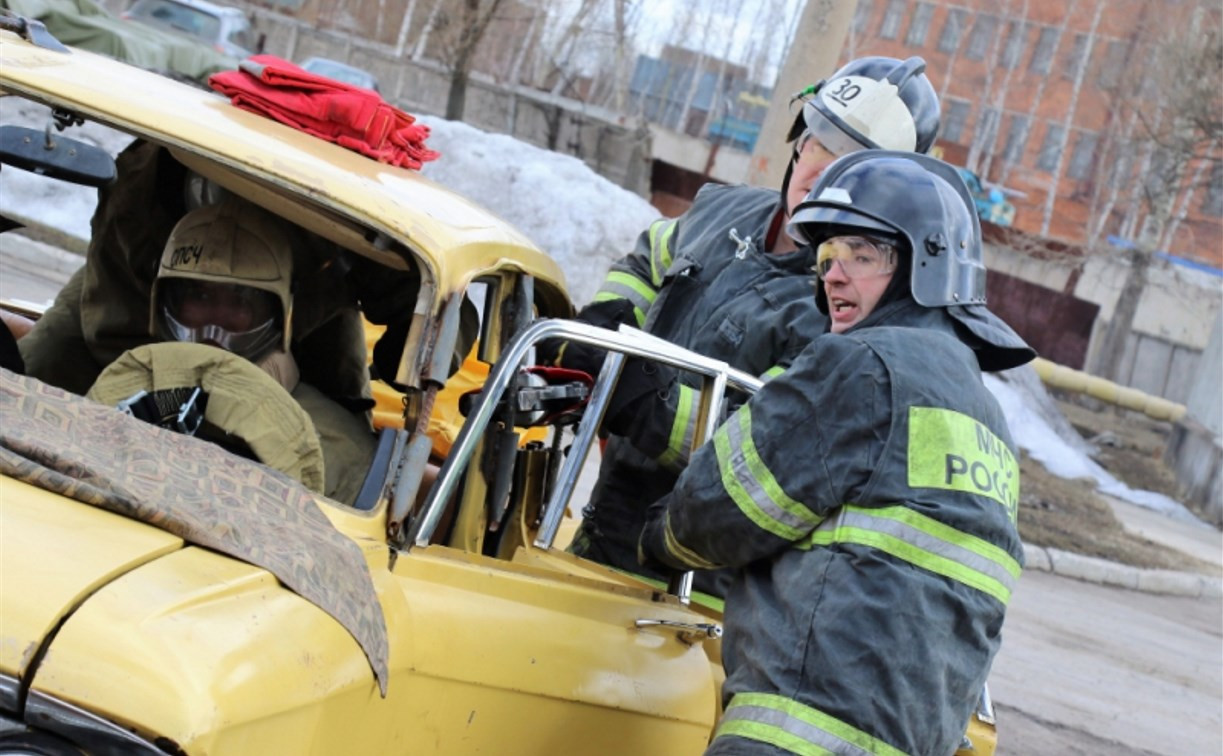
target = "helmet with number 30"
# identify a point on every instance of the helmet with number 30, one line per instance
(872, 103)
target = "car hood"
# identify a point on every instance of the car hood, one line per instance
(191, 490)
(98, 547)
(152, 633)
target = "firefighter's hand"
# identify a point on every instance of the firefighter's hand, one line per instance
(560, 353)
(651, 544)
(640, 394)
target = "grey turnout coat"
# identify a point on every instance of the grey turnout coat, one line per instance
(702, 281)
(868, 498)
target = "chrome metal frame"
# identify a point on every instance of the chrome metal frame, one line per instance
(717, 378)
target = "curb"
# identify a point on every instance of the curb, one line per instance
(1104, 572)
(35, 256)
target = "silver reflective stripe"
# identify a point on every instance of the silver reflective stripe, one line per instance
(752, 486)
(795, 727)
(926, 543)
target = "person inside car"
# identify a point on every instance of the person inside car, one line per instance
(223, 296)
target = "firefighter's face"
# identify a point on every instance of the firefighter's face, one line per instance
(813, 158)
(851, 299)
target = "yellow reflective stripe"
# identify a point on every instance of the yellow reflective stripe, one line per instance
(627, 286)
(952, 451)
(638, 313)
(772, 373)
(660, 249)
(681, 552)
(683, 428)
(788, 724)
(752, 486)
(926, 543)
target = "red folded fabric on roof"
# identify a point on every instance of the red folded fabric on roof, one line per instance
(352, 117)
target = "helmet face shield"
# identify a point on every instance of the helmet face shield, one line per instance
(829, 135)
(236, 318)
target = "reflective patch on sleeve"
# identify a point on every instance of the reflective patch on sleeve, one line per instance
(750, 483)
(660, 249)
(792, 726)
(952, 451)
(683, 429)
(681, 552)
(772, 373)
(621, 285)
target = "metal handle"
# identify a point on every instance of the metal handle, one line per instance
(709, 630)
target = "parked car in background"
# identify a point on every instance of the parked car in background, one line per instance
(334, 69)
(227, 30)
(86, 25)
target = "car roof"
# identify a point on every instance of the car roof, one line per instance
(389, 214)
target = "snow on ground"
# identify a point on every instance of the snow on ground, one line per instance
(1062, 455)
(585, 222)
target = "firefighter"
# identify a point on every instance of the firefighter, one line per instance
(225, 280)
(867, 496)
(725, 280)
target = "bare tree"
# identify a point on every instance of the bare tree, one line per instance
(985, 140)
(401, 39)
(459, 25)
(1174, 97)
(1007, 165)
(1072, 107)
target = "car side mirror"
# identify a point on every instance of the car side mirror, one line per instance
(59, 157)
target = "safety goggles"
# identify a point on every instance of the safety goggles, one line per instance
(860, 257)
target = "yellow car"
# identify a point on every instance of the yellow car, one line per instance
(175, 598)
(160, 594)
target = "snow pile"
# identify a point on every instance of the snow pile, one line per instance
(585, 222)
(1064, 453)
(579, 218)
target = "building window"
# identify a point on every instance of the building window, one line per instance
(1083, 155)
(1042, 55)
(1213, 204)
(920, 25)
(1055, 139)
(987, 127)
(892, 16)
(1114, 62)
(953, 29)
(1157, 179)
(862, 15)
(1076, 58)
(1016, 139)
(1013, 43)
(957, 115)
(983, 30)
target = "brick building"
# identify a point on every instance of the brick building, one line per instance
(1035, 97)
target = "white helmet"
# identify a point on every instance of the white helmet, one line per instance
(872, 103)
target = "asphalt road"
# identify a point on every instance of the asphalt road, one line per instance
(1084, 669)
(1088, 669)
